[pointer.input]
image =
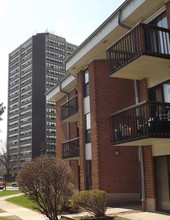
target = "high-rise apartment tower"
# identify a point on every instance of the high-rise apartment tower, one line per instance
(34, 68)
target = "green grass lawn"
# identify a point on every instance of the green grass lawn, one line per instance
(8, 183)
(4, 218)
(22, 201)
(10, 218)
(9, 192)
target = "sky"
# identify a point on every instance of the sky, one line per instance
(74, 20)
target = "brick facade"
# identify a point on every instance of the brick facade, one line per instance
(149, 172)
(143, 90)
(114, 174)
(107, 95)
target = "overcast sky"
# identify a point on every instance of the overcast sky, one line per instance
(74, 20)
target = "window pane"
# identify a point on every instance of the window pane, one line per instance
(88, 122)
(88, 136)
(86, 90)
(86, 77)
(86, 83)
(88, 174)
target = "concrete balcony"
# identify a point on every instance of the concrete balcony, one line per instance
(144, 52)
(141, 125)
(69, 110)
(71, 149)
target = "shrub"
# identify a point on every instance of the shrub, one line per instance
(47, 182)
(94, 201)
(69, 207)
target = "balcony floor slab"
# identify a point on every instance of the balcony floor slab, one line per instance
(145, 66)
(145, 142)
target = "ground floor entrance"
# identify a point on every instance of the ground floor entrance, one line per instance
(162, 174)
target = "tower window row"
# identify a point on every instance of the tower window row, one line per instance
(14, 54)
(55, 60)
(56, 42)
(56, 48)
(56, 54)
(51, 65)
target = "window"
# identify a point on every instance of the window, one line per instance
(86, 83)
(88, 174)
(160, 21)
(87, 128)
(160, 93)
(88, 136)
(161, 41)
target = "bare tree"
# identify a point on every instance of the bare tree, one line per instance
(47, 182)
(2, 108)
(6, 161)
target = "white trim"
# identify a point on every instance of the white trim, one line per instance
(86, 104)
(52, 93)
(88, 153)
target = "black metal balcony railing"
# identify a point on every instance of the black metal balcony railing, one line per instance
(143, 39)
(70, 149)
(69, 108)
(146, 120)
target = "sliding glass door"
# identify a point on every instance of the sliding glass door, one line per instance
(162, 171)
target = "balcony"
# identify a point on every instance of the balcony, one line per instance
(144, 52)
(141, 125)
(69, 110)
(70, 149)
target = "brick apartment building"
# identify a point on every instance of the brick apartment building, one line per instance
(113, 108)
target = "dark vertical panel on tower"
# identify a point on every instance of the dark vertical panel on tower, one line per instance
(38, 95)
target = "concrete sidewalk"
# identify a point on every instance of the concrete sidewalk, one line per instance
(145, 216)
(129, 214)
(27, 214)
(136, 214)
(23, 213)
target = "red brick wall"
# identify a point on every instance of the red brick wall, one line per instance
(74, 166)
(168, 13)
(143, 90)
(149, 172)
(107, 95)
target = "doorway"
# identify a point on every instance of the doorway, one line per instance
(162, 171)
